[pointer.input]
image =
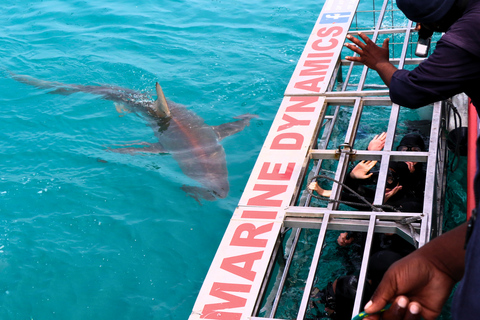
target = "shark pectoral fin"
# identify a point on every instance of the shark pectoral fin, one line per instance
(230, 128)
(144, 147)
(160, 105)
(198, 193)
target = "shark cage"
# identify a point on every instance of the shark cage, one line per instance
(280, 250)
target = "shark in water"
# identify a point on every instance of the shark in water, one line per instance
(180, 132)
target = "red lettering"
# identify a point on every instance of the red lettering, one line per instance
(214, 310)
(275, 174)
(334, 31)
(252, 214)
(320, 55)
(263, 199)
(287, 141)
(316, 45)
(310, 85)
(251, 233)
(292, 122)
(246, 272)
(318, 67)
(303, 101)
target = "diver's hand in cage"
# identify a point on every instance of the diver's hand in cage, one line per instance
(362, 168)
(378, 142)
(391, 192)
(344, 240)
(411, 166)
(322, 192)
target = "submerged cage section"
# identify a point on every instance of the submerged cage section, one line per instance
(321, 218)
(280, 249)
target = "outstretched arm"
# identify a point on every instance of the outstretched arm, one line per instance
(324, 193)
(420, 283)
(373, 56)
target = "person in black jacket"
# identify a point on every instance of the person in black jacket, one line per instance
(421, 283)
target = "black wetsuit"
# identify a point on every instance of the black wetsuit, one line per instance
(408, 199)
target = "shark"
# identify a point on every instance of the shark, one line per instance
(184, 135)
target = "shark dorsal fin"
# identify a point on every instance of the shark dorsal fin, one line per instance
(160, 105)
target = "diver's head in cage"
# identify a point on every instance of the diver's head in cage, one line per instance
(405, 181)
(339, 297)
(433, 15)
(411, 142)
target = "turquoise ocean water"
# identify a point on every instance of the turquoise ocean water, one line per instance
(90, 234)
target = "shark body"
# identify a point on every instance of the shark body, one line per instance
(180, 132)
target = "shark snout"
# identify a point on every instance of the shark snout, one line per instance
(221, 192)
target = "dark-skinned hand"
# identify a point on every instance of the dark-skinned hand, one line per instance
(373, 56)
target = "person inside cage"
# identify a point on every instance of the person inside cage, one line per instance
(338, 298)
(405, 183)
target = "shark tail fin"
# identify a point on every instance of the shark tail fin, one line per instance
(160, 105)
(60, 88)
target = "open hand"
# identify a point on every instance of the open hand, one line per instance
(362, 168)
(373, 56)
(369, 53)
(378, 142)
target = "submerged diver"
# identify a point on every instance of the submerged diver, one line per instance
(404, 191)
(338, 297)
(405, 180)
